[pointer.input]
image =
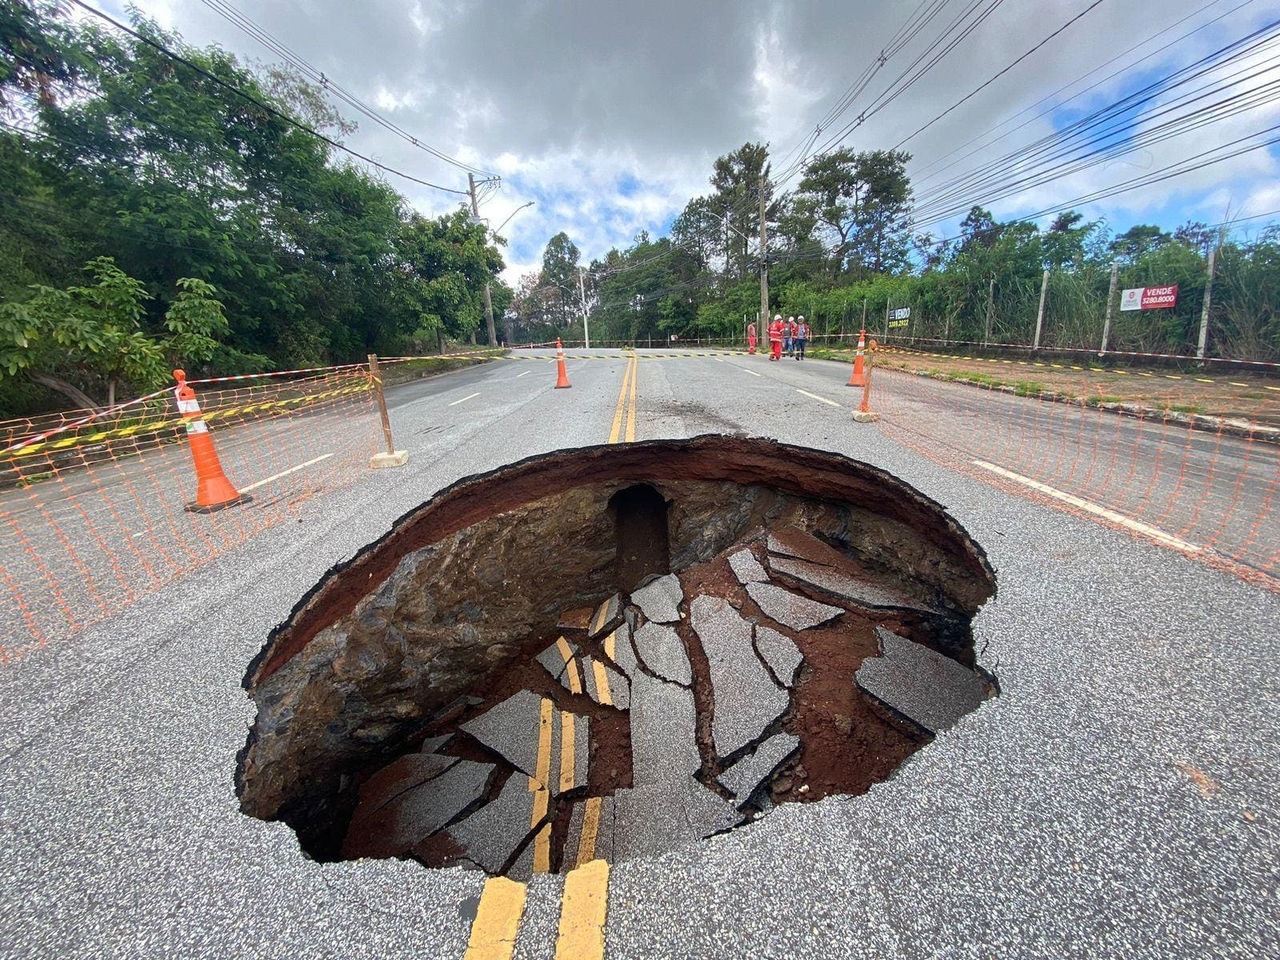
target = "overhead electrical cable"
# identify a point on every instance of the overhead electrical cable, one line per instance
(178, 58)
(239, 19)
(998, 132)
(969, 96)
(1112, 131)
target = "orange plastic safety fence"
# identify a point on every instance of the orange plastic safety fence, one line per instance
(1207, 487)
(93, 509)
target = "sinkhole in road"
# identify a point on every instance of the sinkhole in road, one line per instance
(612, 652)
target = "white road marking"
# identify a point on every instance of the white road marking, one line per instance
(285, 473)
(752, 372)
(1137, 526)
(814, 396)
(525, 374)
(464, 399)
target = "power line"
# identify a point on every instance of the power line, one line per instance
(239, 19)
(260, 104)
(997, 132)
(1001, 73)
(1094, 138)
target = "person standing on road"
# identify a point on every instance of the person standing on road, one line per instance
(775, 338)
(787, 326)
(751, 337)
(802, 337)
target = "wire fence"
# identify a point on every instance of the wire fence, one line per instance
(1149, 469)
(94, 505)
(1075, 310)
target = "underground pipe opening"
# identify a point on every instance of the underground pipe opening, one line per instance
(677, 638)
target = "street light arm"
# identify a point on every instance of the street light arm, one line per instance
(513, 213)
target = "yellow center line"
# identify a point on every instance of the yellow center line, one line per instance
(586, 889)
(586, 896)
(542, 775)
(1204, 380)
(566, 752)
(590, 830)
(541, 795)
(493, 932)
(570, 665)
(616, 430)
(631, 411)
(1235, 384)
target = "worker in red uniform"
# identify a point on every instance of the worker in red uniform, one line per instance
(751, 337)
(775, 338)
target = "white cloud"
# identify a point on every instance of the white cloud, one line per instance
(610, 117)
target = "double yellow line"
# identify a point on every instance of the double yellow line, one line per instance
(586, 888)
(627, 404)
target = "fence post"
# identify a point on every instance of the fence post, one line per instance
(1044, 289)
(991, 308)
(887, 302)
(392, 457)
(1204, 310)
(1111, 305)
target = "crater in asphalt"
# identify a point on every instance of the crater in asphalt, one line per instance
(614, 651)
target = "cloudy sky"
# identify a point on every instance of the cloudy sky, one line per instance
(610, 115)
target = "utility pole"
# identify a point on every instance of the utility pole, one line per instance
(1205, 307)
(582, 298)
(1111, 305)
(1044, 292)
(488, 297)
(764, 256)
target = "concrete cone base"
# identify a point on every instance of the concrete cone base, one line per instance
(397, 459)
(860, 417)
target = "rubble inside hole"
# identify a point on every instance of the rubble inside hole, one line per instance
(520, 681)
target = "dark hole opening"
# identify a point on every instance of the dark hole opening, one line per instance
(643, 540)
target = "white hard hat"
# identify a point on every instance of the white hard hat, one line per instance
(802, 316)
(777, 316)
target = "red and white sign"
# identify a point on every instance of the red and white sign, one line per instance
(1149, 298)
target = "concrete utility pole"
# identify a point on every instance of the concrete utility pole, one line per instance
(1044, 290)
(991, 309)
(1208, 302)
(764, 256)
(582, 298)
(488, 297)
(1111, 306)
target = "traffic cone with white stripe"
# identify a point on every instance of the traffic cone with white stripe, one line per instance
(858, 377)
(213, 490)
(562, 378)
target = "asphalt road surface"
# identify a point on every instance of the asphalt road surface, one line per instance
(1119, 799)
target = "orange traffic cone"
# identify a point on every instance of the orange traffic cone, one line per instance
(213, 490)
(863, 414)
(562, 378)
(857, 378)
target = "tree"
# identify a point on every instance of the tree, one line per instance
(978, 229)
(442, 266)
(91, 338)
(560, 273)
(864, 201)
(35, 54)
(1136, 242)
(737, 179)
(1064, 242)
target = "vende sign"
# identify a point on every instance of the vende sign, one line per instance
(1149, 298)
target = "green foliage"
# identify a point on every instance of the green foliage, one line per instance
(863, 201)
(177, 178)
(83, 339)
